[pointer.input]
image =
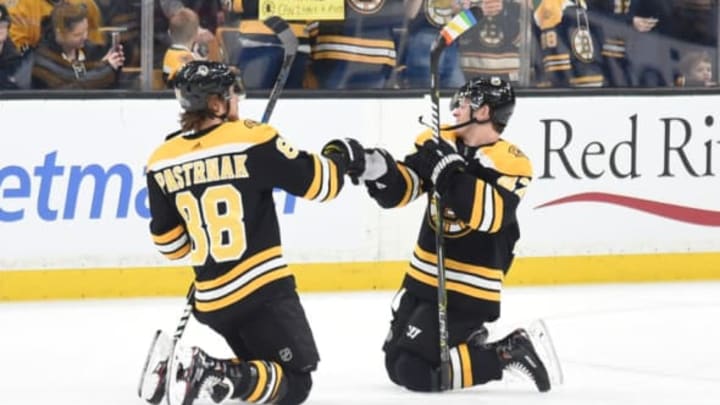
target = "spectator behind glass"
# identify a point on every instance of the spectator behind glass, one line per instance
(611, 18)
(206, 45)
(184, 26)
(695, 70)
(492, 47)
(9, 56)
(426, 17)
(359, 51)
(569, 45)
(31, 19)
(256, 50)
(66, 60)
(666, 30)
(124, 15)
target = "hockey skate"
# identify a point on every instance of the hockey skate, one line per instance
(196, 375)
(543, 344)
(518, 356)
(154, 373)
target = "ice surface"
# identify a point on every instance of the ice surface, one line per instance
(618, 344)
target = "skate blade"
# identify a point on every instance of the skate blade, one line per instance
(177, 388)
(159, 350)
(540, 337)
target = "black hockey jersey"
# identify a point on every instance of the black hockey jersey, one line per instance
(571, 52)
(481, 227)
(492, 46)
(365, 36)
(211, 198)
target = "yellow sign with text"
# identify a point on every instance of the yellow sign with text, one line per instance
(303, 10)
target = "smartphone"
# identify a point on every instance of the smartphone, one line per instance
(115, 41)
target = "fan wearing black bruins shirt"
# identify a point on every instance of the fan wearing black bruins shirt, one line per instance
(210, 189)
(481, 179)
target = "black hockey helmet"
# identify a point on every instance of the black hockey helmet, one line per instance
(493, 91)
(199, 79)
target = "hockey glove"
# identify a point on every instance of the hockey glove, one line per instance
(349, 154)
(377, 163)
(435, 163)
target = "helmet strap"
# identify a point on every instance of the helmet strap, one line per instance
(472, 120)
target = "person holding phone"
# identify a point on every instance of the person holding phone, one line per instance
(67, 60)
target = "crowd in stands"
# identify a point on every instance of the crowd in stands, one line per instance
(67, 44)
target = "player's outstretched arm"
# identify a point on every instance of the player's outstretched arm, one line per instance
(390, 183)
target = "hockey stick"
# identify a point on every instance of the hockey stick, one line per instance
(179, 331)
(290, 46)
(462, 22)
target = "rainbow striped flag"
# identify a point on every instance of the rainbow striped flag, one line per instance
(458, 25)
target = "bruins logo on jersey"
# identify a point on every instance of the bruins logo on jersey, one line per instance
(366, 6)
(452, 226)
(582, 45)
(491, 34)
(439, 12)
(515, 151)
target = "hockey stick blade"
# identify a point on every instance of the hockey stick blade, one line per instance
(152, 387)
(179, 331)
(290, 46)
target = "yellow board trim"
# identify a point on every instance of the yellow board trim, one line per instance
(357, 276)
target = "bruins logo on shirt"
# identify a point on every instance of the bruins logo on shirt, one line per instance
(439, 12)
(452, 226)
(366, 6)
(491, 34)
(582, 45)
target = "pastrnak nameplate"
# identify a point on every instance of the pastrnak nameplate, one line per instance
(302, 10)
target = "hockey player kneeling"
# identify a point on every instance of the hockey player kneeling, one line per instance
(210, 187)
(481, 179)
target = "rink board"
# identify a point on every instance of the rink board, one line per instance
(625, 189)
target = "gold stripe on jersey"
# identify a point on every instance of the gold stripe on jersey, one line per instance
(245, 133)
(412, 185)
(240, 269)
(169, 236)
(588, 81)
(487, 209)
(267, 385)
(180, 253)
(325, 184)
(373, 51)
(461, 366)
(261, 381)
(243, 292)
(490, 63)
(314, 187)
(173, 244)
(245, 278)
(614, 48)
(475, 281)
(278, 380)
(558, 62)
